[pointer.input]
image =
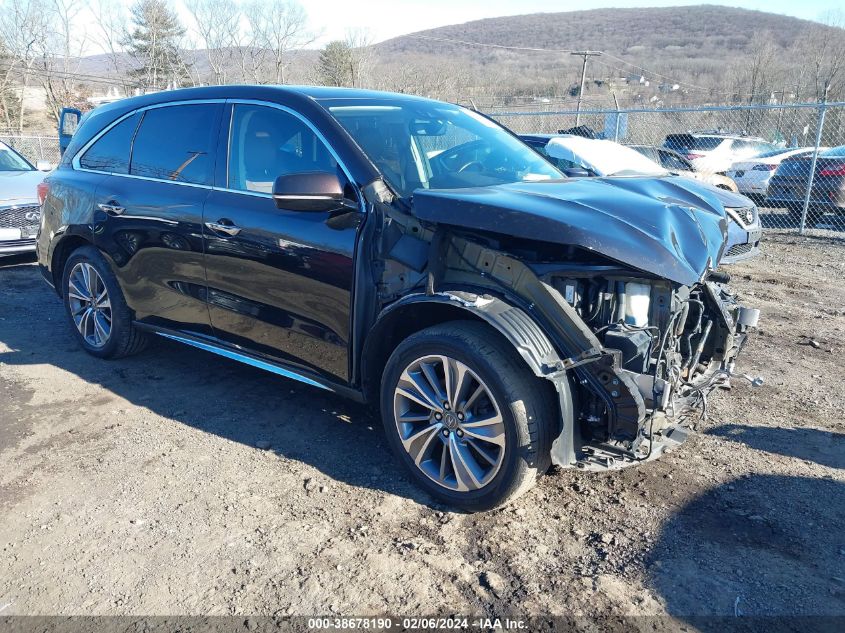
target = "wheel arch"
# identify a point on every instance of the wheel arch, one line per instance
(62, 251)
(419, 311)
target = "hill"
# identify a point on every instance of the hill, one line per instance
(697, 45)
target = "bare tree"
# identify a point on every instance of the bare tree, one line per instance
(109, 34)
(60, 55)
(218, 24)
(821, 55)
(277, 27)
(359, 42)
(24, 28)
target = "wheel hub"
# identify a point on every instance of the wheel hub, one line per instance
(89, 304)
(450, 420)
(449, 423)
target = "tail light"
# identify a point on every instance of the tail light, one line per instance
(764, 167)
(43, 189)
(838, 170)
(694, 156)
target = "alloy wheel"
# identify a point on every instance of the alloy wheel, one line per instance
(449, 423)
(89, 304)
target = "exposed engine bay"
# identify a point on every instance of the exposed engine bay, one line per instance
(676, 342)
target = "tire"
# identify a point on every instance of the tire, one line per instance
(796, 210)
(122, 338)
(522, 403)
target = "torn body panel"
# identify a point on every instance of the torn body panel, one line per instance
(631, 353)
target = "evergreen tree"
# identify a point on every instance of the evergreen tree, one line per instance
(154, 42)
(336, 64)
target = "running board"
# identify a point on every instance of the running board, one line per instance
(245, 359)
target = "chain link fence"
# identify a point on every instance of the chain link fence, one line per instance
(789, 159)
(34, 147)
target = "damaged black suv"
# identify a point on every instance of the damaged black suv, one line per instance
(407, 252)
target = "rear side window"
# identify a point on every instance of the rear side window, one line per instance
(673, 163)
(111, 151)
(177, 143)
(705, 143)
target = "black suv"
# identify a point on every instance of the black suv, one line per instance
(403, 251)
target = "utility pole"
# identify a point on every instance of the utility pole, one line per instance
(585, 55)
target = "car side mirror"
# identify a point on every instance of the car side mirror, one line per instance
(577, 172)
(309, 191)
(44, 165)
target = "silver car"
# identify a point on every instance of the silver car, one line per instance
(20, 210)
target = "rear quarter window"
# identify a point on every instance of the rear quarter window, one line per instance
(111, 151)
(177, 143)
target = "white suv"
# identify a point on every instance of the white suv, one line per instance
(715, 153)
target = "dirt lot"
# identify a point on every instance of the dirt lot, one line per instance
(136, 487)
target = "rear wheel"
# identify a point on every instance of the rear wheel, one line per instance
(470, 422)
(96, 308)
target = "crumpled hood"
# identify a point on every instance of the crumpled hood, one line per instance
(19, 186)
(671, 227)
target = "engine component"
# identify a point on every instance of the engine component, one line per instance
(635, 345)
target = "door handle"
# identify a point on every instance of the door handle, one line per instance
(111, 208)
(224, 226)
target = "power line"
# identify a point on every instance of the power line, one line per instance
(66, 74)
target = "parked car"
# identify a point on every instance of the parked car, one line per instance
(401, 251)
(677, 164)
(19, 207)
(753, 176)
(715, 152)
(788, 186)
(578, 156)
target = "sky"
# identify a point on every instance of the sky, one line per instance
(388, 18)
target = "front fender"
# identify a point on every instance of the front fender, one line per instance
(521, 331)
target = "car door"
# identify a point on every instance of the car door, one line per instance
(149, 219)
(279, 281)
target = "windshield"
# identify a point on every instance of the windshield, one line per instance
(439, 146)
(604, 158)
(10, 160)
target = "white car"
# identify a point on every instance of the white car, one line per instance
(20, 210)
(714, 153)
(752, 176)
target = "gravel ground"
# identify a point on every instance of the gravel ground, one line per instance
(137, 486)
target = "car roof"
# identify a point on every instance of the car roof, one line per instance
(246, 91)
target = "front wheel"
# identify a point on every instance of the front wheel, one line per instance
(472, 425)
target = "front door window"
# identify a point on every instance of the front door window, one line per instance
(267, 143)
